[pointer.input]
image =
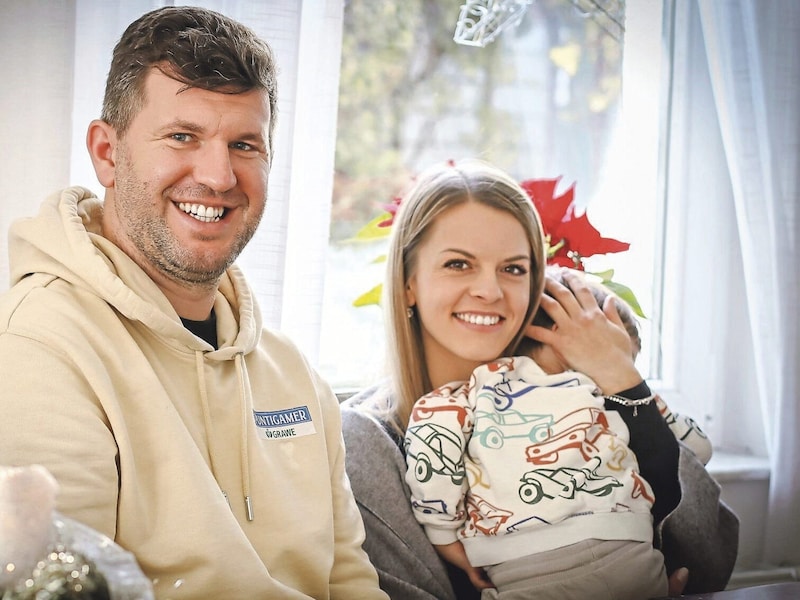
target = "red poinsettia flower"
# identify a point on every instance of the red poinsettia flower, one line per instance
(582, 239)
(392, 210)
(552, 210)
(570, 238)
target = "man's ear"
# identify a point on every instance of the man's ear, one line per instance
(101, 141)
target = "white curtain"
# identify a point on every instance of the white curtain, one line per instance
(753, 50)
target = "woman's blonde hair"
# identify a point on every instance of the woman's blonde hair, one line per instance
(434, 191)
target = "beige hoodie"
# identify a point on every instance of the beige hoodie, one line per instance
(160, 441)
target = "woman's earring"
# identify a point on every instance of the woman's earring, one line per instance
(410, 312)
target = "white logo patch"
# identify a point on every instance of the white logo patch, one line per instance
(282, 424)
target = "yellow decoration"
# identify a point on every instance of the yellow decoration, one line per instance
(566, 57)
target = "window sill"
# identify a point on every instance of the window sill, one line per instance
(730, 466)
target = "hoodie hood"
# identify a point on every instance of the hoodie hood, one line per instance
(65, 242)
(56, 243)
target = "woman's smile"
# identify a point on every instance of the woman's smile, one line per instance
(478, 319)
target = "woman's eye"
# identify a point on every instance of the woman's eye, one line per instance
(456, 263)
(516, 270)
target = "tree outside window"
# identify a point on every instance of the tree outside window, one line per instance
(540, 101)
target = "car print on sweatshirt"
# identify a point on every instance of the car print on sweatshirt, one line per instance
(435, 449)
(577, 430)
(493, 428)
(565, 482)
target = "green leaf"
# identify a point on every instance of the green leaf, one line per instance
(626, 294)
(371, 232)
(605, 276)
(623, 291)
(371, 297)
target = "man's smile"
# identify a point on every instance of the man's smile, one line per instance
(207, 214)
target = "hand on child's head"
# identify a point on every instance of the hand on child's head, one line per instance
(581, 328)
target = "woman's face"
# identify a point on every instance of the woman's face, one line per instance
(471, 288)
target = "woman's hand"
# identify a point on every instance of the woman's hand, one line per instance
(454, 554)
(581, 328)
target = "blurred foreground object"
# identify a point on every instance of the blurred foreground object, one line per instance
(46, 556)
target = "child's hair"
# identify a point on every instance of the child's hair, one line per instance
(600, 292)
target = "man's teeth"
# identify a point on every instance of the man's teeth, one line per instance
(207, 214)
(479, 319)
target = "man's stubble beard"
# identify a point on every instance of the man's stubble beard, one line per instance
(147, 230)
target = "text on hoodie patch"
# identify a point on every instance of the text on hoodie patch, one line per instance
(287, 423)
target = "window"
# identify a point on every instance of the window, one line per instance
(543, 100)
(695, 342)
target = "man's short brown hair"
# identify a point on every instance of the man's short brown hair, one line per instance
(195, 46)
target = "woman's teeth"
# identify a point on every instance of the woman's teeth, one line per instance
(478, 319)
(207, 214)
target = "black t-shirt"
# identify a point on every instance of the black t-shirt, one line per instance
(205, 330)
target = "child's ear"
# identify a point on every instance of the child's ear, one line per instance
(101, 141)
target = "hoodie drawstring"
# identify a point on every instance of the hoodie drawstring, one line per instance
(243, 404)
(207, 417)
(245, 459)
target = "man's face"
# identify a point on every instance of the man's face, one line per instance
(190, 180)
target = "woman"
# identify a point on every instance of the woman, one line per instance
(465, 275)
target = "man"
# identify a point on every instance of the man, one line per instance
(133, 365)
